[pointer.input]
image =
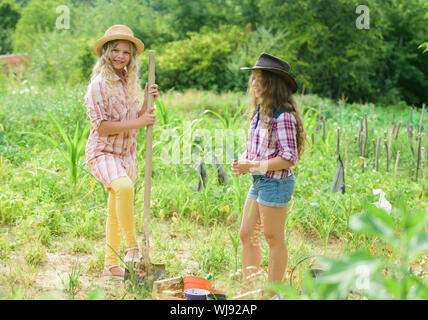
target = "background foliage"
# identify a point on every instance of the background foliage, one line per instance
(202, 43)
(52, 210)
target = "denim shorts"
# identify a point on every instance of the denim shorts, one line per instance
(271, 192)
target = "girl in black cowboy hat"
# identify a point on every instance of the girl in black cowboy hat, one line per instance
(275, 142)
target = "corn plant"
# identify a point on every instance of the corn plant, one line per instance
(74, 146)
(228, 119)
(235, 244)
(165, 114)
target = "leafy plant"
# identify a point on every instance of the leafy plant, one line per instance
(235, 244)
(74, 146)
(229, 117)
(35, 255)
(72, 283)
(374, 277)
(167, 114)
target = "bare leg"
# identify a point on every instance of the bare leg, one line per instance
(251, 226)
(274, 224)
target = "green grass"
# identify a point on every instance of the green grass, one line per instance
(49, 203)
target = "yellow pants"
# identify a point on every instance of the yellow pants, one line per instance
(120, 220)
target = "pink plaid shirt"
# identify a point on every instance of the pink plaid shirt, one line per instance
(282, 142)
(109, 157)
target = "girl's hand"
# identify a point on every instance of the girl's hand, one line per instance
(242, 166)
(153, 91)
(147, 118)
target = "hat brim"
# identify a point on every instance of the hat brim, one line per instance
(290, 80)
(101, 41)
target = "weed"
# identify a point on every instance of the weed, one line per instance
(72, 283)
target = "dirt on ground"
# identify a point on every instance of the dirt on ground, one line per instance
(51, 280)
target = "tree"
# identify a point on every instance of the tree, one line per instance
(401, 66)
(9, 16)
(37, 17)
(332, 57)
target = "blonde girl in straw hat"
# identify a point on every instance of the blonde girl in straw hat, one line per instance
(117, 109)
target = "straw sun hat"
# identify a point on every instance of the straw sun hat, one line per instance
(118, 32)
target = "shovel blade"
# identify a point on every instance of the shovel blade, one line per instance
(146, 275)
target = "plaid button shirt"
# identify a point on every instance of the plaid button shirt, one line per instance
(109, 157)
(282, 141)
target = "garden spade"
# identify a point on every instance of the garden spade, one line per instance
(145, 270)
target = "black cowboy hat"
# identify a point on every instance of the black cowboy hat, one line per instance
(274, 64)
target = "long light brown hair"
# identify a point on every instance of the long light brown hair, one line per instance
(276, 95)
(104, 67)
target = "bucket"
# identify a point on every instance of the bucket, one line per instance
(193, 282)
(216, 296)
(196, 294)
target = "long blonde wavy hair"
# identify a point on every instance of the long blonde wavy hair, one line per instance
(276, 95)
(104, 67)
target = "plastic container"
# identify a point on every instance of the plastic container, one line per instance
(193, 282)
(196, 294)
(216, 296)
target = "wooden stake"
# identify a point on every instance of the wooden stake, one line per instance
(410, 137)
(346, 152)
(421, 121)
(377, 154)
(360, 149)
(396, 164)
(398, 129)
(148, 165)
(338, 142)
(366, 133)
(387, 154)
(423, 163)
(418, 138)
(391, 134)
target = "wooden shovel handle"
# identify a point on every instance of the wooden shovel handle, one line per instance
(149, 143)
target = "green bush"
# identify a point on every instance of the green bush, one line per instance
(37, 18)
(199, 61)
